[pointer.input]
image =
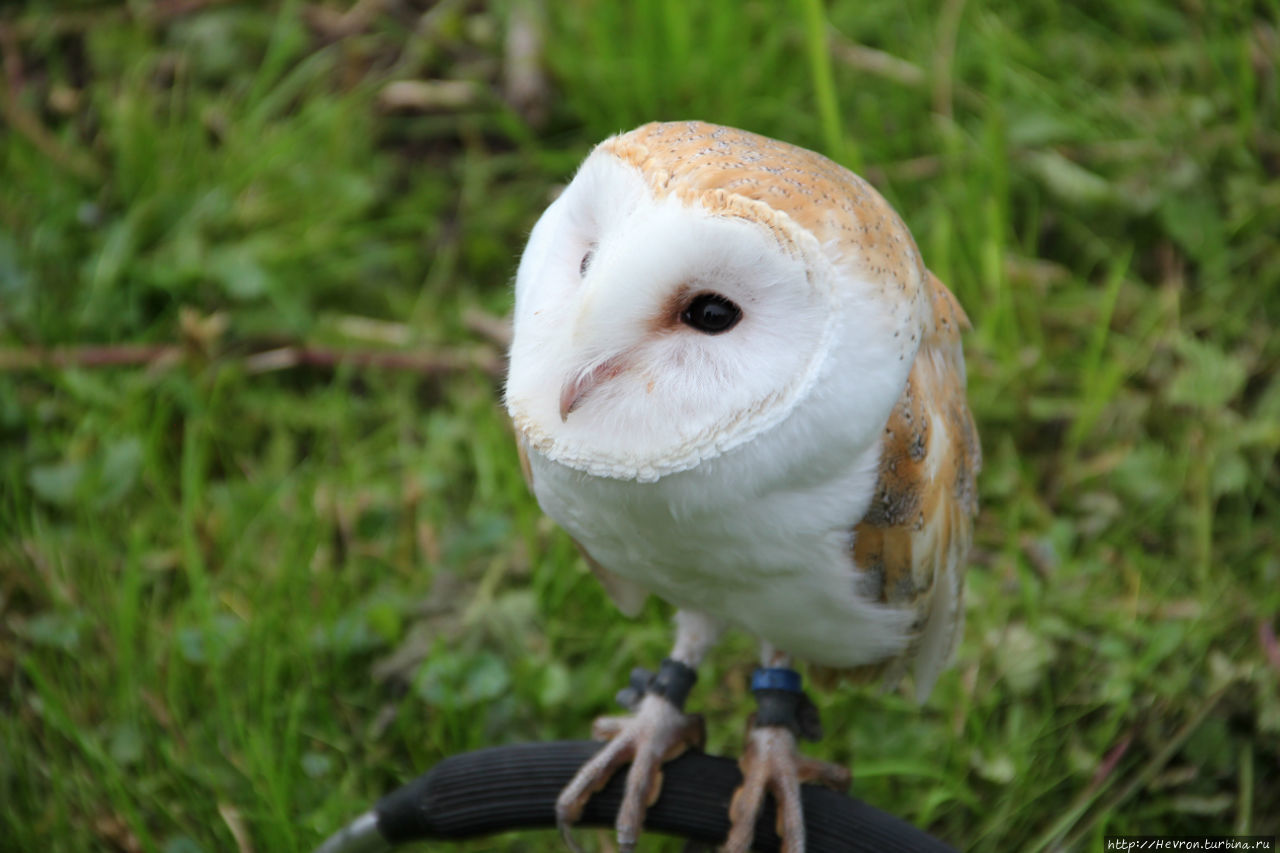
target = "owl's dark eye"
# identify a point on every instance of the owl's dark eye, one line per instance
(586, 262)
(711, 314)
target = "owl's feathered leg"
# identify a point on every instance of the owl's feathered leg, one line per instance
(770, 762)
(655, 733)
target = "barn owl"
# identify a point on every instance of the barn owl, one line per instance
(737, 387)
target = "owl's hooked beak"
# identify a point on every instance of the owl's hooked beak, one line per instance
(576, 389)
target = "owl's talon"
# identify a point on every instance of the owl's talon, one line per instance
(824, 773)
(607, 728)
(657, 733)
(771, 765)
(566, 834)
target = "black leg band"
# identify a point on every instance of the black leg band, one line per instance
(673, 681)
(781, 702)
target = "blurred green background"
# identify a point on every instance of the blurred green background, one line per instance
(250, 581)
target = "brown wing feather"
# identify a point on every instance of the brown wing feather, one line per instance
(628, 596)
(913, 541)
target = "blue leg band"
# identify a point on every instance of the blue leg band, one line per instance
(780, 701)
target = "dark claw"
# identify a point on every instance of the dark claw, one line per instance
(808, 720)
(566, 835)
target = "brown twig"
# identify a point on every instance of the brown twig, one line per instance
(108, 355)
(430, 363)
(1109, 762)
(491, 327)
(874, 61)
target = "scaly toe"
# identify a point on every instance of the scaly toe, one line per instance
(656, 733)
(824, 773)
(591, 777)
(607, 728)
(771, 764)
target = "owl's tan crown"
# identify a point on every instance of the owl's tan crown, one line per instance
(715, 166)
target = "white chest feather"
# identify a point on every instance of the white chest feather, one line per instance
(771, 557)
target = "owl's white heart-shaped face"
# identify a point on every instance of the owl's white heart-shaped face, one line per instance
(654, 330)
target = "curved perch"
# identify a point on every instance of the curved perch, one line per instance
(515, 787)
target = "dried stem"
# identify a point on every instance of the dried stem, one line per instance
(431, 363)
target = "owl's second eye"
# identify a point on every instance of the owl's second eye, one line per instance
(711, 313)
(586, 261)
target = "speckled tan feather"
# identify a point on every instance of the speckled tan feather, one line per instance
(919, 527)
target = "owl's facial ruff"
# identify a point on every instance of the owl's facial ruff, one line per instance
(611, 376)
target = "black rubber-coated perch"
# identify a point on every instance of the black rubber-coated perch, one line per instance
(515, 787)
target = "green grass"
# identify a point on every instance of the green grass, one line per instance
(235, 600)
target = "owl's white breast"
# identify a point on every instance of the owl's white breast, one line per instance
(758, 537)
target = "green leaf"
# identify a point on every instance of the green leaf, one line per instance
(126, 746)
(120, 465)
(487, 679)
(1230, 474)
(349, 634)
(17, 293)
(1069, 180)
(385, 621)
(91, 388)
(555, 685)
(997, 767)
(487, 532)
(1208, 377)
(1036, 127)
(317, 765)
(239, 272)
(57, 483)
(117, 249)
(436, 680)
(213, 642)
(1022, 656)
(54, 629)
(1267, 409)
(181, 844)
(1146, 475)
(1194, 221)
(459, 681)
